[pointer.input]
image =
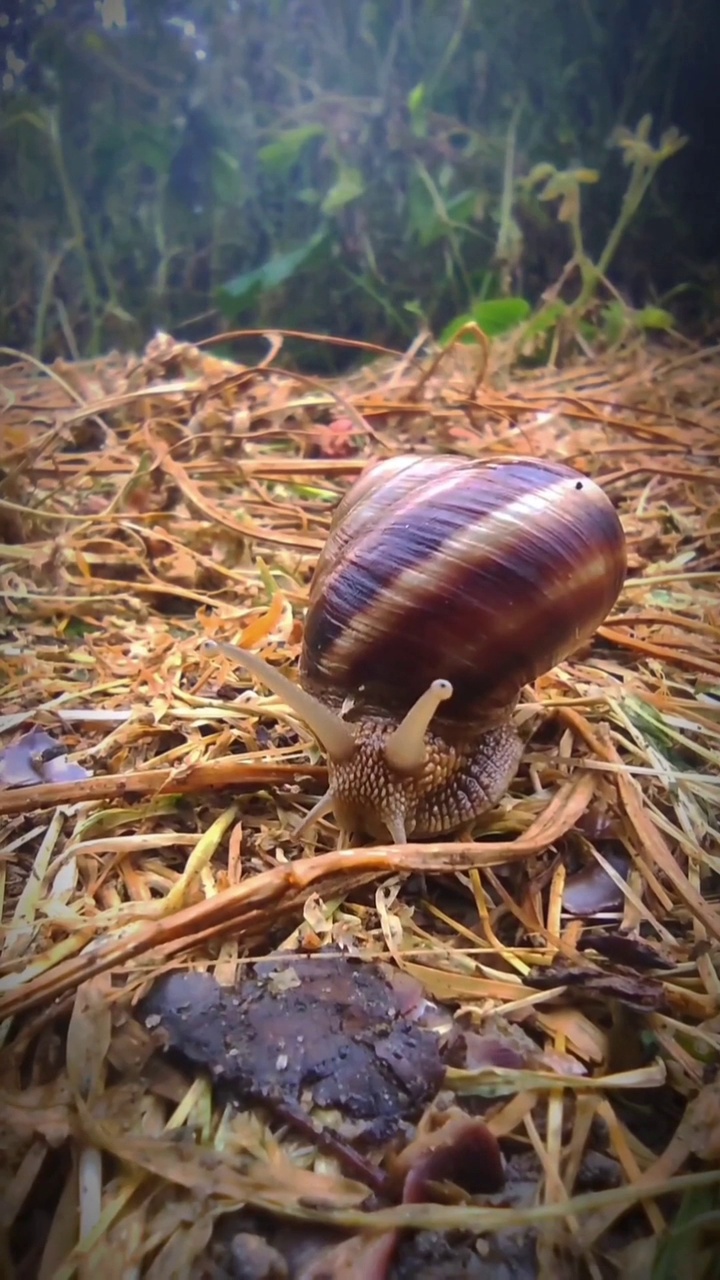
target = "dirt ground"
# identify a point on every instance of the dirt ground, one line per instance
(543, 998)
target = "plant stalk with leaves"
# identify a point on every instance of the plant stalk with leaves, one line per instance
(643, 160)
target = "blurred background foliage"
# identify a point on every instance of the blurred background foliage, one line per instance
(360, 167)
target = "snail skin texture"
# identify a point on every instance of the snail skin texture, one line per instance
(445, 586)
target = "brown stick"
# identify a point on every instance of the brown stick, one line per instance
(230, 771)
(253, 908)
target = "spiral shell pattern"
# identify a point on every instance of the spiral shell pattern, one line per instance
(486, 573)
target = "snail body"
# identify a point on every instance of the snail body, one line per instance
(445, 585)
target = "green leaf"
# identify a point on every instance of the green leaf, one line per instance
(644, 127)
(499, 315)
(586, 175)
(614, 321)
(587, 329)
(465, 207)
(416, 99)
(151, 146)
(617, 319)
(687, 1247)
(545, 319)
(348, 185)
(700, 1050)
(652, 725)
(540, 173)
(281, 154)
(494, 316)
(227, 181)
(555, 187)
(118, 145)
(421, 213)
(453, 327)
(418, 110)
(239, 292)
(77, 628)
(671, 141)
(429, 224)
(655, 318)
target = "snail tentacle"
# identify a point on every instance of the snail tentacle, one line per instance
(331, 732)
(396, 827)
(405, 749)
(323, 806)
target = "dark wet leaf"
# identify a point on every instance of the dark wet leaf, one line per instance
(600, 825)
(37, 758)
(19, 763)
(500, 1043)
(409, 994)
(491, 1051)
(328, 1026)
(597, 1172)
(629, 1044)
(639, 993)
(60, 769)
(450, 1146)
(633, 952)
(592, 890)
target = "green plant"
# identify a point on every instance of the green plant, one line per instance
(565, 186)
(320, 167)
(690, 1244)
(495, 316)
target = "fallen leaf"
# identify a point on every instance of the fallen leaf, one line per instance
(326, 1025)
(37, 757)
(592, 890)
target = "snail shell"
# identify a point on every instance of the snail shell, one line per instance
(445, 585)
(487, 573)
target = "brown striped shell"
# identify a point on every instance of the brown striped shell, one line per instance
(484, 573)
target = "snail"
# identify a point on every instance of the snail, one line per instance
(445, 585)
